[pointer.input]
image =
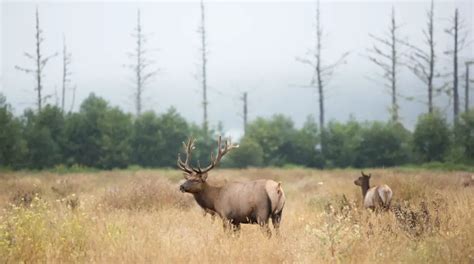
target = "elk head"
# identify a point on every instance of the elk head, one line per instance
(363, 180)
(196, 177)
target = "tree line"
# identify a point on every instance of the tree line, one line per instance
(103, 136)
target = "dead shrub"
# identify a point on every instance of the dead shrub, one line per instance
(146, 193)
(64, 187)
(408, 188)
(343, 207)
(421, 220)
(22, 193)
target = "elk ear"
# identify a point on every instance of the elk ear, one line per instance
(204, 177)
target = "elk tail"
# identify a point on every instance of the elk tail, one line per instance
(270, 205)
(386, 199)
(279, 206)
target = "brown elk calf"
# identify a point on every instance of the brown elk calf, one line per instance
(377, 197)
(250, 202)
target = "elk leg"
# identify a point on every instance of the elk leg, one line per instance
(226, 225)
(213, 216)
(266, 229)
(263, 217)
(236, 229)
(276, 218)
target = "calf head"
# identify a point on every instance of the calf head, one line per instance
(363, 180)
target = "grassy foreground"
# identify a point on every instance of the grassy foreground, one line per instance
(140, 217)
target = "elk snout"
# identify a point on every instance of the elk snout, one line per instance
(181, 188)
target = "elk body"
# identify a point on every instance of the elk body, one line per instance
(251, 202)
(377, 197)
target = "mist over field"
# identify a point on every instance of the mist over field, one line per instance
(251, 47)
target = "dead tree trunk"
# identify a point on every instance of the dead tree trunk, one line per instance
(466, 91)
(66, 73)
(422, 63)
(322, 72)
(319, 35)
(202, 32)
(455, 66)
(39, 63)
(39, 86)
(458, 32)
(141, 65)
(388, 61)
(138, 99)
(431, 61)
(245, 111)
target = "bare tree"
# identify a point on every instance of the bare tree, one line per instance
(458, 31)
(322, 72)
(422, 62)
(385, 54)
(67, 59)
(141, 65)
(40, 63)
(245, 110)
(202, 33)
(466, 91)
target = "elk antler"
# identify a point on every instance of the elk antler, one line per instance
(220, 153)
(188, 148)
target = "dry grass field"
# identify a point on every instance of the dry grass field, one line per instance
(141, 217)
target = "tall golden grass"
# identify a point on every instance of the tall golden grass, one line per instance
(140, 217)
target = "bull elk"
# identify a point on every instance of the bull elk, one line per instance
(377, 197)
(250, 202)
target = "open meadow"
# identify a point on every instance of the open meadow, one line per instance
(141, 217)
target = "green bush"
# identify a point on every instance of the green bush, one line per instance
(431, 138)
(249, 154)
(44, 135)
(153, 136)
(382, 144)
(341, 143)
(99, 136)
(464, 138)
(13, 147)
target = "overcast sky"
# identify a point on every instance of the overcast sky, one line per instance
(252, 47)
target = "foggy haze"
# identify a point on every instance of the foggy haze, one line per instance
(252, 47)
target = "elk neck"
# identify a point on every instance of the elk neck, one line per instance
(207, 197)
(365, 187)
